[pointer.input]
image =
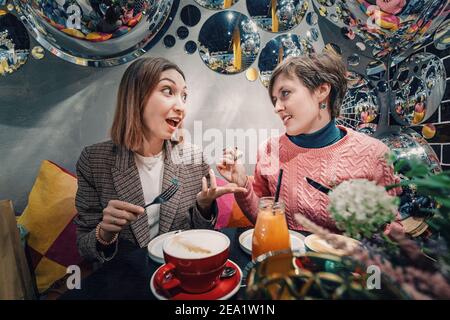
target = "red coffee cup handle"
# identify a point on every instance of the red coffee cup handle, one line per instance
(165, 278)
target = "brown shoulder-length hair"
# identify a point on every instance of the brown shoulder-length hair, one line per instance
(313, 70)
(136, 86)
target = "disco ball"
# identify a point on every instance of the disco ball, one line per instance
(14, 44)
(228, 42)
(408, 145)
(277, 16)
(286, 10)
(419, 85)
(250, 46)
(390, 27)
(360, 108)
(277, 50)
(442, 36)
(96, 33)
(216, 4)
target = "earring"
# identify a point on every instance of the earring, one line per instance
(323, 105)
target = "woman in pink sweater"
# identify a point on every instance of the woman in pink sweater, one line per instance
(307, 93)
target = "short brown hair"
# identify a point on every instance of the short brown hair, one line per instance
(136, 86)
(313, 70)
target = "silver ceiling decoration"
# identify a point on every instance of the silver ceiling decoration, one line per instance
(96, 33)
(277, 15)
(360, 108)
(277, 50)
(216, 4)
(388, 28)
(408, 144)
(418, 87)
(14, 44)
(442, 36)
(229, 42)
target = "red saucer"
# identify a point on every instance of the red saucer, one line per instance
(225, 289)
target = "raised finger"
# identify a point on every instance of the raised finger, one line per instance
(224, 190)
(239, 189)
(212, 179)
(204, 185)
(233, 187)
(238, 155)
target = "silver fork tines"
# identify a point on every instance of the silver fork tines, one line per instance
(165, 195)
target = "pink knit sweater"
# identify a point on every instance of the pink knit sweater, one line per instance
(355, 156)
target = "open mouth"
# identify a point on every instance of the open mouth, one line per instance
(286, 118)
(173, 122)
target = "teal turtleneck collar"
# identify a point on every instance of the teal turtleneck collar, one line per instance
(319, 139)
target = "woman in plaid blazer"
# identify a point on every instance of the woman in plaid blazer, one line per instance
(110, 197)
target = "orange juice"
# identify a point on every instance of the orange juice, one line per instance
(271, 231)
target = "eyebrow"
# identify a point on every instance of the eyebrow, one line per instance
(185, 87)
(279, 90)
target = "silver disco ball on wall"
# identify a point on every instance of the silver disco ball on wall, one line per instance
(388, 28)
(419, 85)
(407, 145)
(360, 109)
(14, 44)
(96, 33)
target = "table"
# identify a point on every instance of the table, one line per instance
(128, 277)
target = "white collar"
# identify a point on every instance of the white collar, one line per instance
(149, 162)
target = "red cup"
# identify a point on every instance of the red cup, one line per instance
(194, 259)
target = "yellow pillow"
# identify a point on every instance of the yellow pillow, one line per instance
(48, 218)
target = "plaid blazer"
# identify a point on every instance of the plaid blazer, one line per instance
(108, 172)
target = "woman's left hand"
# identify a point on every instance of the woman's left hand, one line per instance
(208, 194)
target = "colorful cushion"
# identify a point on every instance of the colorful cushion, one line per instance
(48, 218)
(237, 218)
(230, 215)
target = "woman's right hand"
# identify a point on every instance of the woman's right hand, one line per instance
(231, 168)
(116, 216)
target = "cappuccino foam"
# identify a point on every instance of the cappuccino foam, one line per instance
(196, 245)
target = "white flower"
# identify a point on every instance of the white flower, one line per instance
(361, 207)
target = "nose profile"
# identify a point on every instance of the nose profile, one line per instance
(278, 106)
(180, 105)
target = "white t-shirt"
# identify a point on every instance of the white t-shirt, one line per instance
(151, 171)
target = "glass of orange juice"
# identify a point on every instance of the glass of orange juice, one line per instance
(271, 231)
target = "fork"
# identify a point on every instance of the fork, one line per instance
(165, 195)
